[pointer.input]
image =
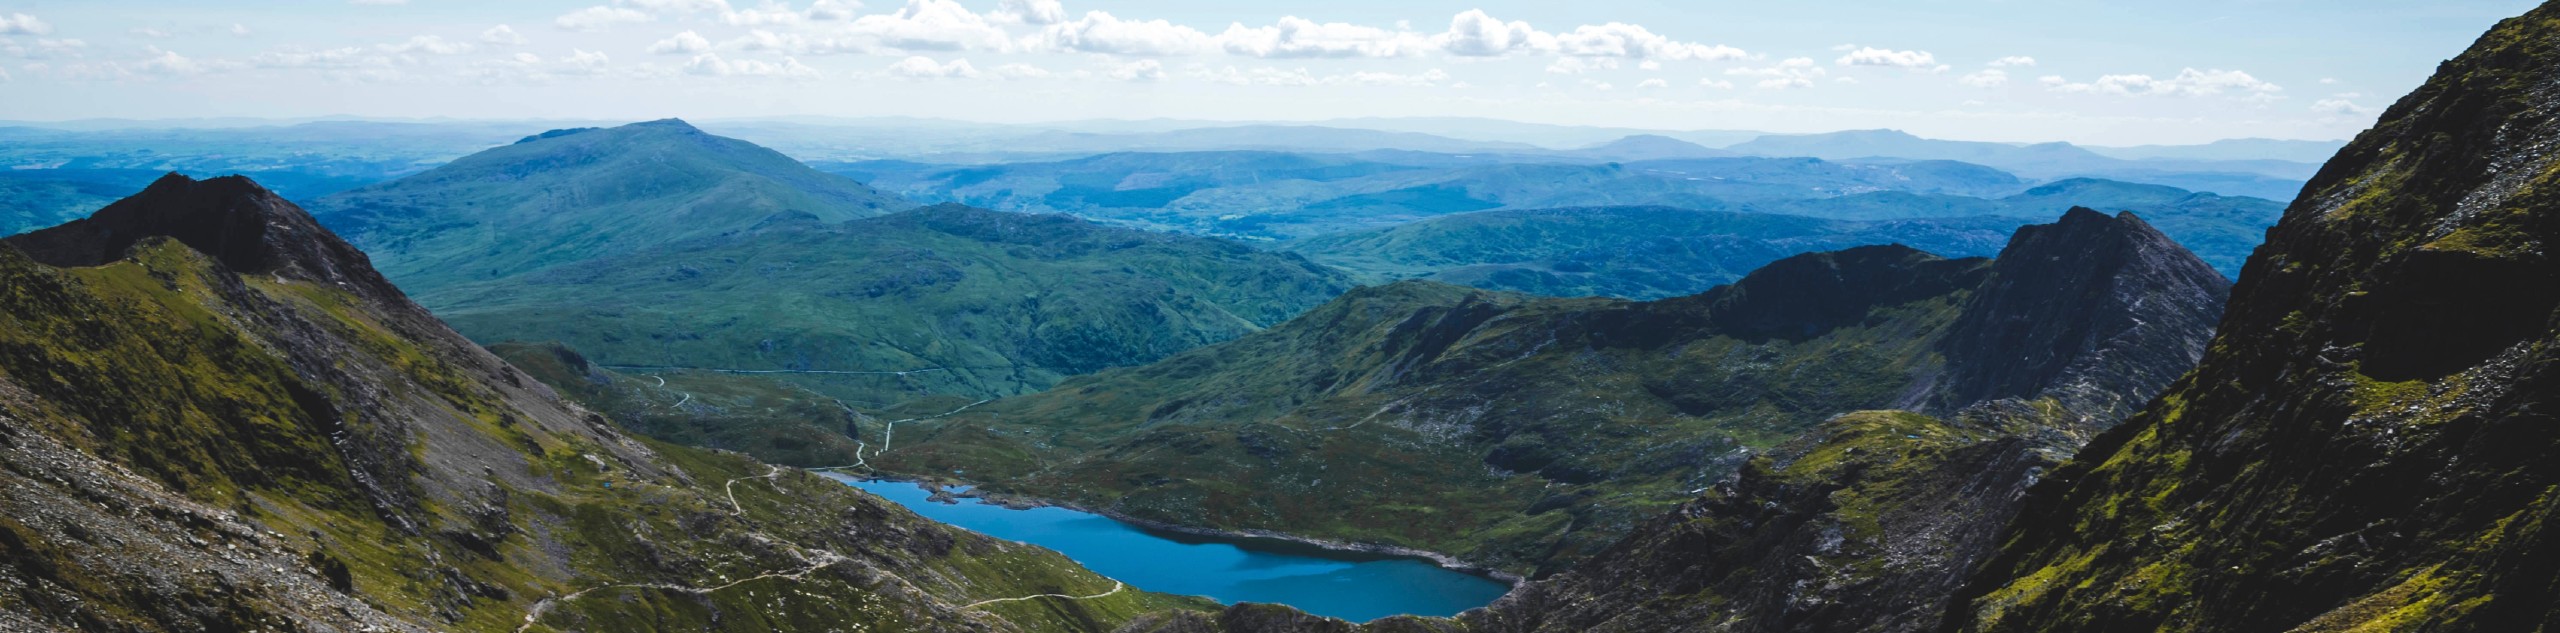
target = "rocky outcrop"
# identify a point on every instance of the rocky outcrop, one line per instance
(2097, 312)
(2369, 445)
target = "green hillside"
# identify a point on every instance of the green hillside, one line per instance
(941, 300)
(574, 195)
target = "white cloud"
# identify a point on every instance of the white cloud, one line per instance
(686, 43)
(44, 48)
(771, 14)
(1023, 71)
(1795, 72)
(378, 3)
(1141, 70)
(239, 30)
(502, 35)
(1602, 86)
(150, 32)
(23, 24)
(1477, 34)
(345, 57)
(2013, 60)
(2189, 83)
(834, 10)
(1653, 83)
(710, 64)
(599, 18)
(1299, 37)
(1715, 83)
(1992, 78)
(584, 62)
(1869, 56)
(1038, 12)
(2340, 107)
(165, 62)
(2328, 81)
(1267, 76)
(1580, 65)
(930, 25)
(663, 7)
(920, 67)
(1100, 32)
(1617, 39)
(427, 44)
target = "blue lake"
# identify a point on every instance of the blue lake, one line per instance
(1351, 587)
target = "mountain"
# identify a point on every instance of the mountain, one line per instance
(577, 194)
(940, 300)
(2232, 149)
(1657, 252)
(1278, 196)
(1644, 147)
(2263, 177)
(1527, 433)
(216, 416)
(2369, 443)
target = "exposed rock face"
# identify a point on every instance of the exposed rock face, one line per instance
(2099, 313)
(2370, 443)
(214, 417)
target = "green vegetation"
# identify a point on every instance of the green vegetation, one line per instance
(932, 303)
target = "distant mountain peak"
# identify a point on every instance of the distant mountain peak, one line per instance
(2089, 299)
(230, 219)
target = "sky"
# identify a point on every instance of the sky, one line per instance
(2108, 73)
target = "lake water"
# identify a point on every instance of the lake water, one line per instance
(1348, 586)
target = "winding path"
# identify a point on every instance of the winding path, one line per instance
(910, 372)
(1116, 586)
(825, 559)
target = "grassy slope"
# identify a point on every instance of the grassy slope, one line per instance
(985, 303)
(1497, 427)
(489, 497)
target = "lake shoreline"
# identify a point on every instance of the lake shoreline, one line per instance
(1019, 502)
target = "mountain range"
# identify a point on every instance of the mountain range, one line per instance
(1529, 433)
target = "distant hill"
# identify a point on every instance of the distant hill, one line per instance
(555, 199)
(1646, 147)
(1529, 433)
(2314, 152)
(1658, 252)
(2039, 161)
(942, 300)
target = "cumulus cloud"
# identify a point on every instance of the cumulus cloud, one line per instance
(344, 57)
(1653, 83)
(1796, 72)
(1040, 12)
(686, 43)
(1715, 83)
(920, 67)
(2188, 83)
(501, 35)
(1870, 56)
(1477, 34)
(1580, 65)
(1023, 71)
(711, 64)
(834, 10)
(428, 45)
(1288, 77)
(166, 62)
(930, 25)
(1141, 70)
(1618, 39)
(2013, 60)
(23, 24)
(584, 62)
(599, 18)
(2341, 107)
(663, 7)
(1299, 37)
(1101, 32)
(771, 14)
(1991, 78)
(44, 48)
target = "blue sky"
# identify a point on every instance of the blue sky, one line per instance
(2092, 72)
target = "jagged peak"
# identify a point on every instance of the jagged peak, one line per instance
(231, 219)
